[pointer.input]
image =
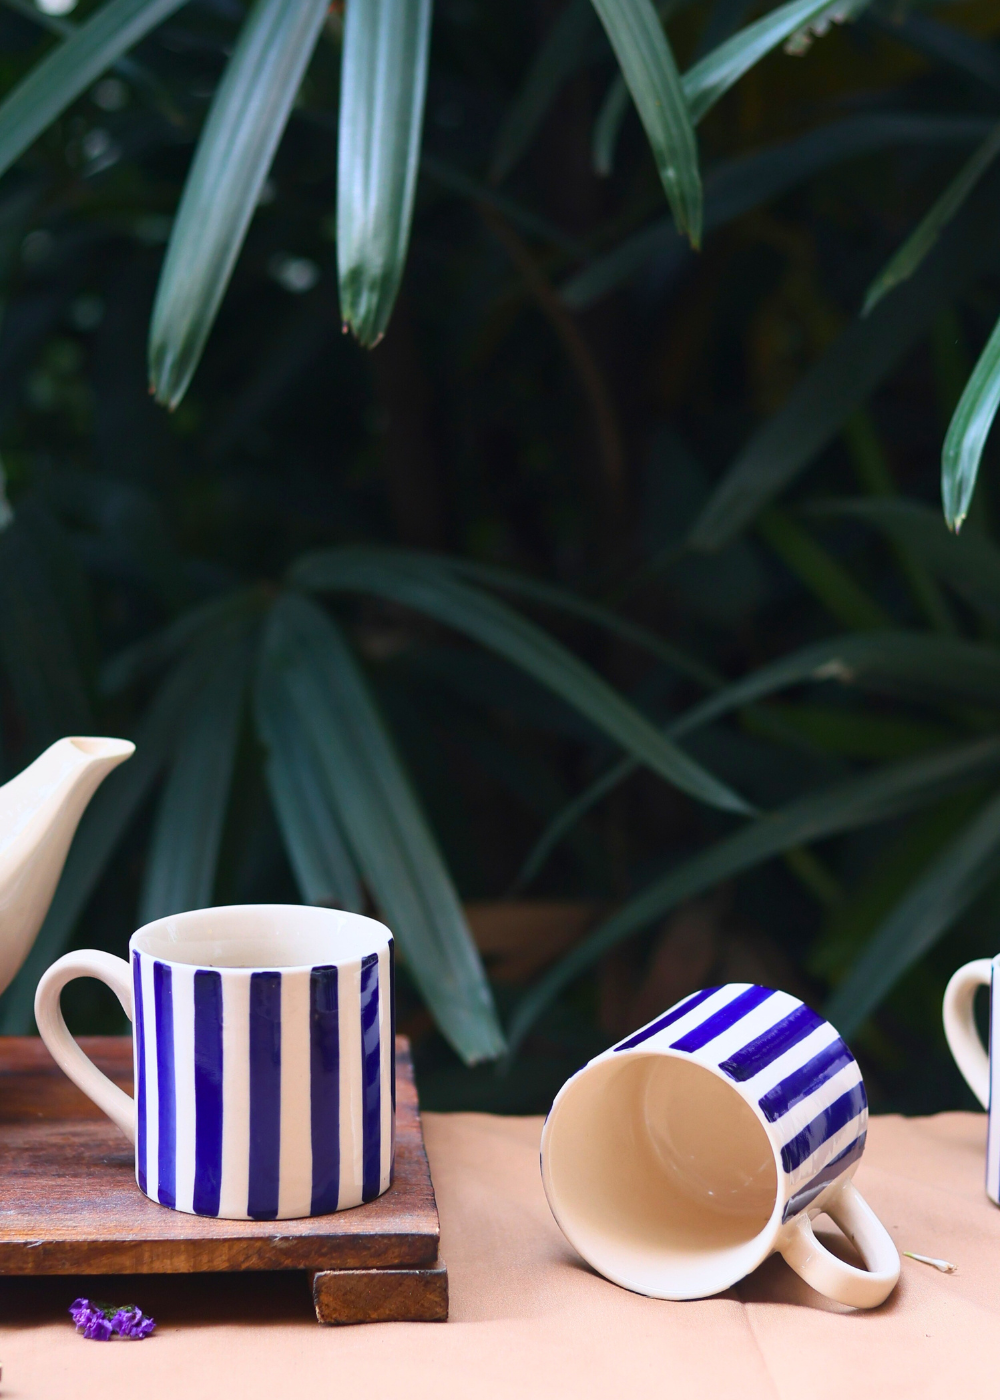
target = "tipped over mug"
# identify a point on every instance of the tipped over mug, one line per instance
(979, 1067)
(679, 1159)
(264, 1058)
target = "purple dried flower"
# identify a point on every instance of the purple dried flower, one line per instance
(97, 1328)
(99, 1321)
(129, 1322)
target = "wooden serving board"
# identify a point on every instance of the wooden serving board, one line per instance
(69, 1203)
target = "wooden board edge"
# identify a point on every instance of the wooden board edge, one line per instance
(347, 1297)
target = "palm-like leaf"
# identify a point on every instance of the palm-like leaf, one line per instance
(422, 584)
(968, 431)
(70, 69)
(307, 669)
(905, 261)
(907, 664)
(184, 851)
(934, 903)
(382, 86)
(237, 145)
(647, 64)
(857, 802)
(319, 854)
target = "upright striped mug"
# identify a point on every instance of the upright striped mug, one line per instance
(264, 1057)
(679, 1159)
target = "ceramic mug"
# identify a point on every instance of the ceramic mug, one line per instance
(979, 1068)
(264, 1058)
(679, 1159)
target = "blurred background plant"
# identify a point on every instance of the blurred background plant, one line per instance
(600, 627)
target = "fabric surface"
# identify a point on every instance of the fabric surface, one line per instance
(529, 1319)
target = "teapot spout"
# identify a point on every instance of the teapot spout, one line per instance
(39, 812)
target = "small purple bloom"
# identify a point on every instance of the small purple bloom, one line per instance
(99, 1322)
(97, 1328)
(130, 1322)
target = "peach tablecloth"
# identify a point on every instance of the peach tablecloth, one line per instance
(528, 1319)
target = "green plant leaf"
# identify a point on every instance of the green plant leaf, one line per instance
(905, 261)
(574, 604)
(37, 651)
(824, 576)
(238, 142)
(425, 587)
(323, 865)
(131, 664)
(959, 50)
(110, 813)
(308, 670)
(382, 85)
(969, 563)
(556, 58)
(647, 64)
(608, 125)
(857, 802)
(71, 67)
(184, 850)
(933, 904)
(451, 177)
(734, 186)
(818, 406)
(913, 665)
(968, 431)
(715, 74)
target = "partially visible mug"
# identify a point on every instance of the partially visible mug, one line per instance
(979, 1069)
(679, 1159)
(264, 1058)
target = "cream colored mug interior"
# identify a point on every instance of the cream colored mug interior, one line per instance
(662, 1176)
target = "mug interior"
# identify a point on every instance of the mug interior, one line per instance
(261, 936)
(661, 1175)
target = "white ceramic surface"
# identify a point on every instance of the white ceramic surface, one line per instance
(682, 1157)
(39, 812)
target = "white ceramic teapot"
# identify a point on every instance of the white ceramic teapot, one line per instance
(39, 812)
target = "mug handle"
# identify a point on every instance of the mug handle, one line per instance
(88, 962)
(811, 1260)
(960, 1026)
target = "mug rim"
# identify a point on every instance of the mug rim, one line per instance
(381, 936)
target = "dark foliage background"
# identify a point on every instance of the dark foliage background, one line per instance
(503, 422)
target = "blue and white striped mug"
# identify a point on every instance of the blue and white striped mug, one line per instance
(980, 1069)
(679, 1159)
(264, 1058)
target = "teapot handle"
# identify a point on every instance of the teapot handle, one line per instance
(88, 962)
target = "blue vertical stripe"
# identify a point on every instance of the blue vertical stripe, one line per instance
(667, 1019)
(265, 1095)
(324, 1071)
(140, 1073)
(765, 1048)
(823, 1126)
(371, 1105)
(163, 1002)
(722, 1019)
(207, 1092)
(805, 1080)
(822, 1179)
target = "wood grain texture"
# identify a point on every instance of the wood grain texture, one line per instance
(345, 1296)
(69, 1203)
